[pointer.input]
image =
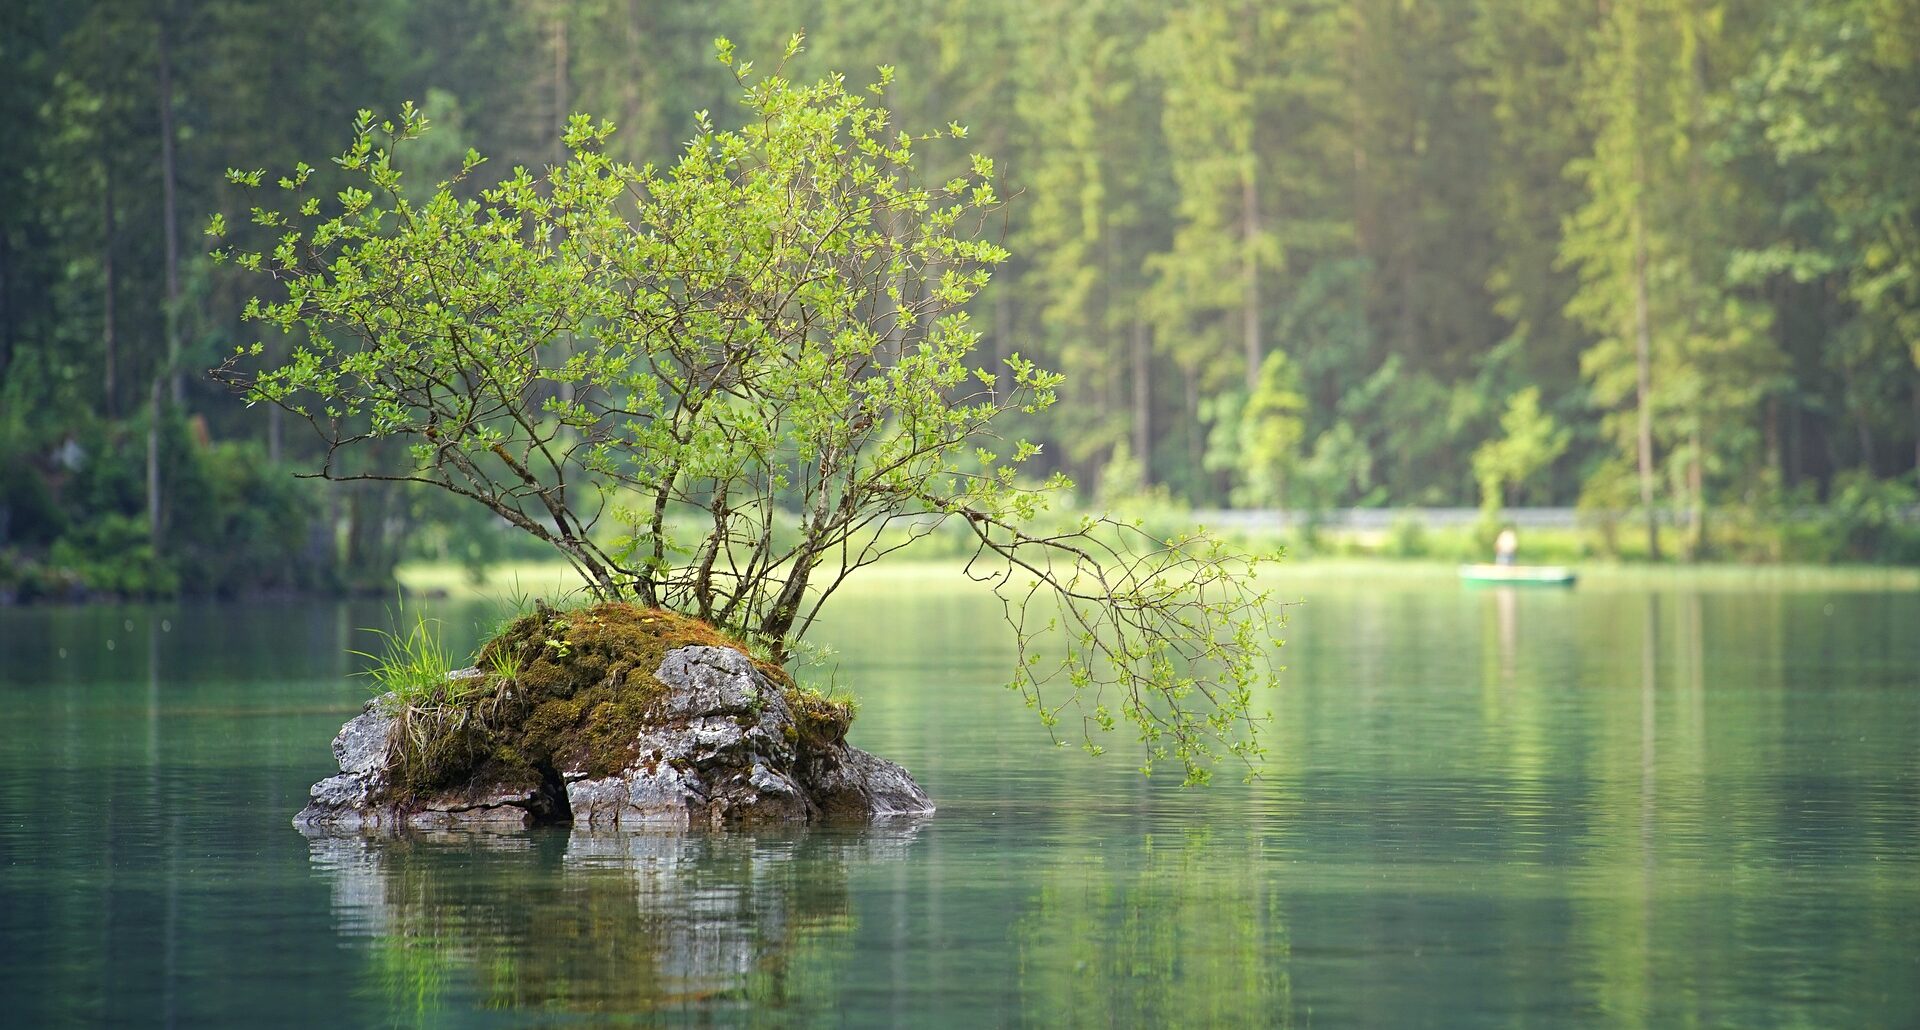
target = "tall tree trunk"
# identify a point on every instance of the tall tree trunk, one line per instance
(1857, 407)
(1142, 402)
(169, 216)
(1642, 316)
(370, 557)
(641, 128)
(6, 300)
(1643, 377)
(997, 348)
(1916, 422)
(153, 461)
(1770, 435)
(1697, 210)
(1250, 274)
(560, 96)
(1196, 439)
(109, 287)
(558, 28)
(1697, 496)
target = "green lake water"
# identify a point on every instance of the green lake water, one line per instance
(1666, 803)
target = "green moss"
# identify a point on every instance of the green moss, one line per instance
(583, 692)
(820, 720)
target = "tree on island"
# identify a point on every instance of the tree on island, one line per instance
(723, 387)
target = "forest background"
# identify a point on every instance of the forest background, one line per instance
(1657, 261)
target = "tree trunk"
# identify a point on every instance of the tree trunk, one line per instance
(563, 342)
(109, 237)
(1794, 446)
(1250, 275)
(371, 556)
(630, 84)
(559, 28)
(153, 461)
(169, 216)
(1857, 407)
(1697, 495)
(1642, 316)
(1643, 378)
(1697, 210)
(1916, 423)
(1770, 433)
(997, 348)
(1196, 444)
(6, 300)
(1142, 402)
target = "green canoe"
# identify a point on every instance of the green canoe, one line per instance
(1518, 575)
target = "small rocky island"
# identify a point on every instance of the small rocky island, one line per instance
(610, 716)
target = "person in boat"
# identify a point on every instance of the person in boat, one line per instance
(1505, 546)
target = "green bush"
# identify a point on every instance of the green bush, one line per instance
(1868, 520)
(237, 523)
(113, 554)
(233, 522)
(29, 514)
(1407, 538)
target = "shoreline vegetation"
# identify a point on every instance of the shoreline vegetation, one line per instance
(1829, 545)
(443, 580)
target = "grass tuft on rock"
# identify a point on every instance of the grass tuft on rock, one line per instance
(565, 689)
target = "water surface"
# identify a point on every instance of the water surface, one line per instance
(1654, 804)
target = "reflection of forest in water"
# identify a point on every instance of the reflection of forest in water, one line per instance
(764, 927)
(605, 923)
(1184, 930)
(1598, 807)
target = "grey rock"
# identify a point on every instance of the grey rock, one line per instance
(362, 742)
(353, 799)
(724, 752)
(713, 681)
(350, 800)
(855, 781)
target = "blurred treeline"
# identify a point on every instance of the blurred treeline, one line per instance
(1642, 256)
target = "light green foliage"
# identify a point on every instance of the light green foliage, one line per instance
(1272, 425)
(774, 321)
(1236, 79)
(1123, 482)
(714, 387)
(1681, 358)
(1529, 58)
(1824, 121)
(1094, 178)
(1340, 468)
(1530, 442)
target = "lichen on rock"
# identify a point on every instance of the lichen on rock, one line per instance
(607, 716)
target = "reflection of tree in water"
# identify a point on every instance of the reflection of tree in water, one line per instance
(1191, 935)
(578, 922)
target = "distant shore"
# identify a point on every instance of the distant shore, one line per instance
(1288, 578)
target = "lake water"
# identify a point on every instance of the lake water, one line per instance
(1684, 803)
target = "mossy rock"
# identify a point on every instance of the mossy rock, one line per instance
(611, 716)
(570, 689)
